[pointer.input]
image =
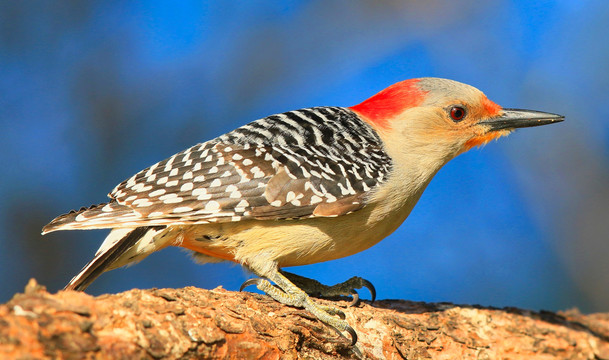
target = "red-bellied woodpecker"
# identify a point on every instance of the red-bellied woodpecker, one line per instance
(297, 188)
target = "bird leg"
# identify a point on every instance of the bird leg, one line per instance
(346, 288)
(289, 294)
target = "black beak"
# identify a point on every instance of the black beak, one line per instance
(515, 118)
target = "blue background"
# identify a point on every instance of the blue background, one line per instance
(94, 91)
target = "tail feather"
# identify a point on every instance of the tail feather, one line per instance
(118, 242)
(94, 217)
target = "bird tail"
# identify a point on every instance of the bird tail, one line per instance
(94, 217)
(115, 252)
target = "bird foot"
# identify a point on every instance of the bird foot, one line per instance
(347, 288)
(289, 294)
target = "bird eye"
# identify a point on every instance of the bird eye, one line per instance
(457, 113)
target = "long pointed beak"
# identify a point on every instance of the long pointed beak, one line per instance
(515, 118)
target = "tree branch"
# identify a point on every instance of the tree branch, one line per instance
(194, 323)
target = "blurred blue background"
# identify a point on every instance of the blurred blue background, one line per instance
(94, 91)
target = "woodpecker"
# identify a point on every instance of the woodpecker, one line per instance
(297, 188)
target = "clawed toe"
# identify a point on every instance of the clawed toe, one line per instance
(353, 334)
(347, 288)
(333, 311)
(357, 282)
(355, 297)
(368, 285)
(248, 282)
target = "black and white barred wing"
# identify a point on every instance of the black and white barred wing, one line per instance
(299, 164)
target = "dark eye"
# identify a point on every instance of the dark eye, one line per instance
(457, 113)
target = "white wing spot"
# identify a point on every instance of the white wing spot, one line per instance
(290, 196)
(173, 172)
(171, 183)
(237, 157)
(276, 203)
(187, 175)
(315, 199)
(173, 200)
(317, 192)
(330, 198)
(137, 186)
(204, 197)
(187, 187)
(307, 185)
(142, 202)
(343, 190)
(215, 183)
(131, 181)
(169, 163)
(257, 172)
(145, 188)
(199, 191)
(162, 180)
(247, 162)
(164, 198)
(182, 209)
(151, 170)
(158, 192)
(212, 206)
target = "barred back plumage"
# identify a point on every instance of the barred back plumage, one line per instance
(322, 161)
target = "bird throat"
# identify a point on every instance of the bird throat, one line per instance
(482, 140)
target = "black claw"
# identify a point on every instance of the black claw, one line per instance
(248, 282)
(355, 300)
(341, 315)
(335, 311)
(371, 288)
(353, 334)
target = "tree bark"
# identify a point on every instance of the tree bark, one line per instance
(193, 323)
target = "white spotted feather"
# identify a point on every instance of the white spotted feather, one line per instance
(291, 165)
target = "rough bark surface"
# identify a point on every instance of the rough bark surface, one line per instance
(193, 323)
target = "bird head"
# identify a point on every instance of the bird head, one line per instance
(432, 115)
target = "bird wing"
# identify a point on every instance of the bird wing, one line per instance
(304, 163)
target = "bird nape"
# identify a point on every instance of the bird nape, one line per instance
(297, 188)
